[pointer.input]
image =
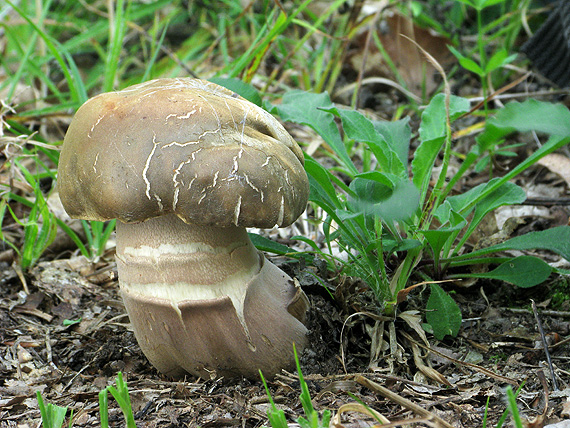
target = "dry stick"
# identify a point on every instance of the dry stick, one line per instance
(546, 202)
(404, 402)
(496, 93)
(544, 344)
(463, 363)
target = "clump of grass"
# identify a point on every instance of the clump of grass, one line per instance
(121, 394)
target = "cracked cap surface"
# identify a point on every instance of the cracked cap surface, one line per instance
(183, 146)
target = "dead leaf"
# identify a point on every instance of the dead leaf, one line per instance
(430, 372)
(412, 66)
(558, 164)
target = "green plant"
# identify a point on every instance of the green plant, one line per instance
(486, 65)
(39, 225)
(52, 415)
(386, 224)
(121, 395)
(511, 409)
(311, 420)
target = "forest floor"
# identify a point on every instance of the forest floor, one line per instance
(64, 332)
(69, 363)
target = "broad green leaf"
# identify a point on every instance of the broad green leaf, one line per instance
(553, 143)
(499, 59)
(265, 244)
(447, 215)
(397, 134)
(522, 271)
(530, 115)
(391, 245)
(307, 108)
(358, 128)
(480, 4)
(460, 202)
(438, 238)
(432, 135)
(556, 240)
(321, 188)
(396, 200)
(488, 3)
(468, 2)
(389, 180)
(442, 313)
(508, 194)
(433, 117)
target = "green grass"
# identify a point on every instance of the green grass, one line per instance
(393, 228)
(374, 204)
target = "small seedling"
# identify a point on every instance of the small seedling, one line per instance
(121, 395)
(311, 420)
(52, 415)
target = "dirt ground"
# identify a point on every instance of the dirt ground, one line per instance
(64, 332)
(351, 357)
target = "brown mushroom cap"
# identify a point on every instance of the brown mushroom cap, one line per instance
(182, 146)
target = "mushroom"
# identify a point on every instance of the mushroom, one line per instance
(185, 166)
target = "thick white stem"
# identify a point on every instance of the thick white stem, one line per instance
(167, 259)
(203, 299)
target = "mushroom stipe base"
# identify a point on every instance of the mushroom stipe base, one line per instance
(211, 336)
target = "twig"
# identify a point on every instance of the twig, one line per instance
(463, 363)
(546, 202)
(404, 402)
(544, 344)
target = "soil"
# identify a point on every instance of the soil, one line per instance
(64, 333)
(43, 349)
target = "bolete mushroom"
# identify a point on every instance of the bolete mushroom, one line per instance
(185, 166)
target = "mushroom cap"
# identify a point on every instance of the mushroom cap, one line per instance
(183, 146)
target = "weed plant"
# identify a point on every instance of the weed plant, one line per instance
(386, 223)
(53, 416)
(486, 65)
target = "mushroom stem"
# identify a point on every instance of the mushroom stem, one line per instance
(224, 308)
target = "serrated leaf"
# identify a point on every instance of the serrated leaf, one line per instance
(442, 313)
